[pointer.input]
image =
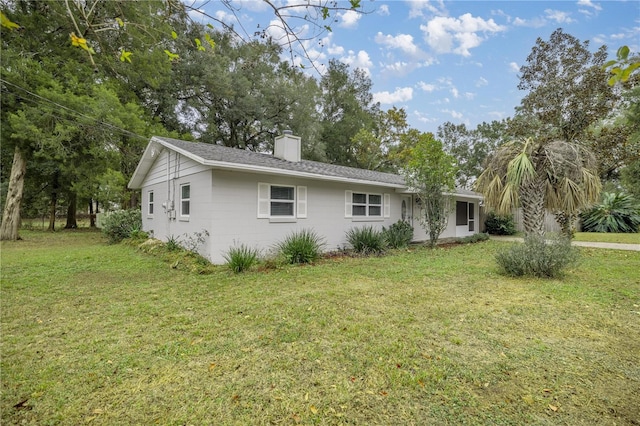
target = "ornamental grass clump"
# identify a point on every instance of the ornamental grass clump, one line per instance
(537, 257)
(304, 246)
(398, 235)
(241, 258)
(367, 240)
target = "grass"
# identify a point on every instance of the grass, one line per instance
(104, 334)
(608, 237)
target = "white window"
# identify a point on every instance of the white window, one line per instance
(360, 204)
(185, 200)
(150, 204)
(282, 201)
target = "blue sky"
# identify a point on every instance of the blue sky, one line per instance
(444, 61)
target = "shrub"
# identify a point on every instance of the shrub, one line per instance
(496, 224)
(399, 235)
(121, 224)
(241, 258)
(616, 213)
(366, 240)
(475, 238)
(304, 246)
(173, 243)
(537, 257)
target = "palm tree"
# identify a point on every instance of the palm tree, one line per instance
(538, 175)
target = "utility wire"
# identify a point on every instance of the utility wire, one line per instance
(78, 113)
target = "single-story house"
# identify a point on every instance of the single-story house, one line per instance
(244, 197)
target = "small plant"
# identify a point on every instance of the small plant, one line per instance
(241, 258)
(367, 240)
(173, 243)
(496, 224)
(398, 235)
(301, 247)
(121, 224)
(191, 242)
(616, 213)
(537, 257)
(475, 238)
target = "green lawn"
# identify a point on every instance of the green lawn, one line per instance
(608, 237)
(104, 334)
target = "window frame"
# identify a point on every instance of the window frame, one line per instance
(150, 203)
(265, 200)
(384, 205)
(184, 200)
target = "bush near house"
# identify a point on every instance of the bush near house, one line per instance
(398, 235)
(496, 224)
(122, 224)
(241, 258)
(367, 240)
(301, 247)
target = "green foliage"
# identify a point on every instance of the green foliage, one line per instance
(431, 173)
(173, 243)
(304, 246)
(398, 235)
(630, 179)
(497, 224)
(537, 257)
(475, 238)
(241, 258)
(622, 67)
(122, 224)
(616, 213)
(367, 240)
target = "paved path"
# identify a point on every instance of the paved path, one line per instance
(612, 246)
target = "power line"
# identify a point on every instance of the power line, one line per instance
(77, 113)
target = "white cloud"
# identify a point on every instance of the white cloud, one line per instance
(427, 87)
(403, 42)
(401, 94)
(589, 3)
(454, 92)
(531, 23)
(455, 114)
(424, 118)
(558, 16)
(481, 82)
(358, 60)
(384, 10)
(417, 6)
(458, 35)
(349, 19)
(514, 67)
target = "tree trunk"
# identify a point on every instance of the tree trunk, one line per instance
(92, 216)
(532, 201)
(54, 202)
(13, 203)
(52, 211)
(72, 222)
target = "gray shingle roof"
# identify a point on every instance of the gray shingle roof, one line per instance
(214, 153)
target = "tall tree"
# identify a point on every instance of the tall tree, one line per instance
(567, 93)
(567, 87)
(346, 109)
(431, 173)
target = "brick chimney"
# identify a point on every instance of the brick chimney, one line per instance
(287, 147)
